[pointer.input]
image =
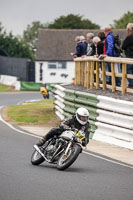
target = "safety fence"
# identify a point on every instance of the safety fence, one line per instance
(90, 72)
(111, 119)
(22, 85)
(23, 68)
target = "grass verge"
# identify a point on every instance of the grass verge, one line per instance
(38, 113)
(6, 88)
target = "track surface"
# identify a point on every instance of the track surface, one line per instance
(89, 178)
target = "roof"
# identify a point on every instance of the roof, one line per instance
(57, 44)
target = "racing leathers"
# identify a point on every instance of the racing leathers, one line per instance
(71, 123)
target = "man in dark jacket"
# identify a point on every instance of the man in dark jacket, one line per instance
(78, 121)
(127, 46)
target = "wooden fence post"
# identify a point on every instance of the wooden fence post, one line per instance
(82, 73)
(124, 76)
(103, 75)
(113, 77)
(97, 75)
(77, 72)
(92, 75)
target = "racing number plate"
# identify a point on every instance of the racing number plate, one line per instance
(80, 136)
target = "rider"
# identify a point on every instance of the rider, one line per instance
(78, 121)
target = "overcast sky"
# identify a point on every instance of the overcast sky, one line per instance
(15, 15)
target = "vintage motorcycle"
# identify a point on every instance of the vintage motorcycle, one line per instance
(62, 150)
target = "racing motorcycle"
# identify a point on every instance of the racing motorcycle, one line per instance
(44, 92)
(61, 150)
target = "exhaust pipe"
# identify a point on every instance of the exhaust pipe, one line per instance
(39, 151)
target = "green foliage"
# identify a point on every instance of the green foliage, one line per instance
(30, 34)
(72, 22)
(123, 21)
(15, 47)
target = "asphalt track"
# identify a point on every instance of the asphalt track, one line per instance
(90, 178)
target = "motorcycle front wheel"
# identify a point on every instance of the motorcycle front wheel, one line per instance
(66, 160)
(36, 158)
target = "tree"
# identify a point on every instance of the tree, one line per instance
(72, 22)
(2, 30)
(123, 21)
(15, 47)
(30, 34)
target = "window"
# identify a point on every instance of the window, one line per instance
(62, 65)
(52, 65)
(56, 65)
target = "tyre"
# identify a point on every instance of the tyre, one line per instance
(36, 158)
(48, 96)
(66, 160)
(44, 96)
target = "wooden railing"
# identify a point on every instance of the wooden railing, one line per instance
(90, 72)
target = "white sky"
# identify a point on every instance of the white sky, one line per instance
(15, 15)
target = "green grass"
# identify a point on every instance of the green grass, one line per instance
(37, 113)
(5, 88)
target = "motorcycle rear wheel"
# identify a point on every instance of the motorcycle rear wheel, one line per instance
(66, 160)
(36, 158)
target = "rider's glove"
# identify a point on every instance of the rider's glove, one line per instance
(84, 143)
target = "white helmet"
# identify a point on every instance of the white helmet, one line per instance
(82, 115)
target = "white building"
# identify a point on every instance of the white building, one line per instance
(54, 71)
(54, 64)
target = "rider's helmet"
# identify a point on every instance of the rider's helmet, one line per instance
(82, 115)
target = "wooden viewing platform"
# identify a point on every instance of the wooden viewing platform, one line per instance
(90, 73)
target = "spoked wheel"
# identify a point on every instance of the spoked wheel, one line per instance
(66, 160)
(36, 158)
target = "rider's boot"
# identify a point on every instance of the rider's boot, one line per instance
(41, 142)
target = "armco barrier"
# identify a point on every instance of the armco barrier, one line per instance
(115, 119)
(111, 119)
(59, 100)
(114, 135)
(115, 105)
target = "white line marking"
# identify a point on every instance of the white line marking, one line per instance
(109, 160)
(91, 154)
(15, 129)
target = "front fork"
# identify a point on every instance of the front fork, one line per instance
(70, 144)
(67, 149)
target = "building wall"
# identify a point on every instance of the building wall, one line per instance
(44, 74)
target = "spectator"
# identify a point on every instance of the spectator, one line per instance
(89, 38)
(109, 45)
(77, 40)
(127, 46)
(94, 46)
(101, 44)
(81, 47)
